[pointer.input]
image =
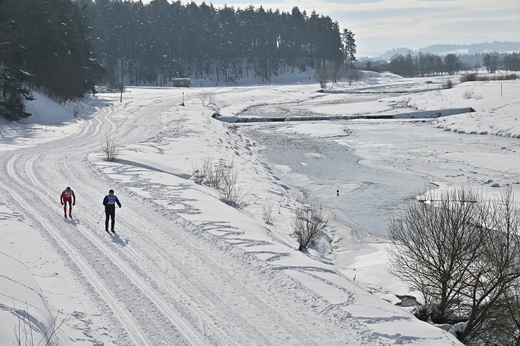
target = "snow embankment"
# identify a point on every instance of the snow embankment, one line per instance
(495, 103)
(23, 310)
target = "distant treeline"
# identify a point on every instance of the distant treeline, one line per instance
(427, 64)
(152, 43)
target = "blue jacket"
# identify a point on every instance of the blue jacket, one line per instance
(110, 202)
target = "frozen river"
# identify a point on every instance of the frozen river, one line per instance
(377, 166)
(359, 194)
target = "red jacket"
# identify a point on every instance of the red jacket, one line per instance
(68, 196)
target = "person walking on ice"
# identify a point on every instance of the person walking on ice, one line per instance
(110, 202)
(67, 197)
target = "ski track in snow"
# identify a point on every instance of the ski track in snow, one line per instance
(162, 282)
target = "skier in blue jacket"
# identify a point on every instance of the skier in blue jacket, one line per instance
(110, 202)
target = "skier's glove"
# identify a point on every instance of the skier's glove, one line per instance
(74, 203)
(61, 203)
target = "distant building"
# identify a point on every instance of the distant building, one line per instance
(181, 82)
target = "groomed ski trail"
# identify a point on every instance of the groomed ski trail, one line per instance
(168, 282)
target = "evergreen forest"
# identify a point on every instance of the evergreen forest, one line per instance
(46, 45)
(153, 43)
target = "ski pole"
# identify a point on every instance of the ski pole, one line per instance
(100, 218)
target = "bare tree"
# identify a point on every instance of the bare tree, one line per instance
(322, 74)
(222, 176)
(309, 225)
(230, 191)
(331, 70)
(268, 212)
(207, 98)
(110, 149)
(433, 246)
(210, 173)
(506, 331)
(495, 273)
(463, 254)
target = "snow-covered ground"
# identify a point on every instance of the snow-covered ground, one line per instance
(187, 268)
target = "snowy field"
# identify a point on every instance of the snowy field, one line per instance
(188, 269)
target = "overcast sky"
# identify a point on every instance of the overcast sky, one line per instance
(380, 25)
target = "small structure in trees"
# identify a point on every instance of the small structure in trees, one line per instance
(181, 82)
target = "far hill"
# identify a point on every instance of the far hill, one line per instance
(468, 49)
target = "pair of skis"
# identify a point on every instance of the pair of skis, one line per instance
(72, 220)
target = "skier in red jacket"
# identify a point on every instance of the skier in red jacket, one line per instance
(67, 196)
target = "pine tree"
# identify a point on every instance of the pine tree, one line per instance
(14, 78)
(349, 51)
(45, 45)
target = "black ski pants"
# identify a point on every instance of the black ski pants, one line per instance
(110, 213)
